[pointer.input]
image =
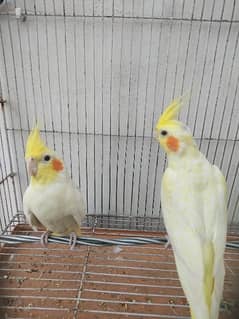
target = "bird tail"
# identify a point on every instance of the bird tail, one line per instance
(208, 280)
(208, 256)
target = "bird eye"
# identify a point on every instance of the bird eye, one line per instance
(47, 158)
(164, 132)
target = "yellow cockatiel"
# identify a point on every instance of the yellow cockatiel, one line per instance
(51, 200)
(193, 197)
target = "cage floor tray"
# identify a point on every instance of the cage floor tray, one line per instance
(99, 282)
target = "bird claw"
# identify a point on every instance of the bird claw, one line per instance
(227, 306)
(44, 238)
(72, 241)
(168, 244)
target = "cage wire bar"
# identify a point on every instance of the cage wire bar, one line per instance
(96, 75)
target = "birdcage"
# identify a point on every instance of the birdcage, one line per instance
(96, 75)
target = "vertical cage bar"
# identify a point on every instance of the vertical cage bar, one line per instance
(86, 114)
(119, 107)
(128, 113)
(136, 120)
(220, 79)
(211, 75)
(144, 116)
(102, 121)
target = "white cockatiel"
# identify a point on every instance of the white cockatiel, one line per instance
(51, 200)
(193, 197)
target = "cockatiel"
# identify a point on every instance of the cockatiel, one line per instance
(193, 198)
(51, 200)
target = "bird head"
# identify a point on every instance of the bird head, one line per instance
(173, 135)
(42, 163)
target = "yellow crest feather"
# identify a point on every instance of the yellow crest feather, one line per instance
(170, 115)
(35, 146)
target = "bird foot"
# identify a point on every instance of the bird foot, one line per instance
(44, 238)
(227, 306)
(168, 244)
(72, 241)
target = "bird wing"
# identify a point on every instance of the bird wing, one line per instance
(193, 204)
(58, 206)
(219, 229)
(76, 211)
(31, 218)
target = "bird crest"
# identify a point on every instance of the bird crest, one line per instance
(35, 147)
(170, 115)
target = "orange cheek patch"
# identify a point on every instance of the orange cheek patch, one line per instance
(57, 165)
(172, 143)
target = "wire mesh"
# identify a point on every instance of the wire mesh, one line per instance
(102, 282)
(96, 74)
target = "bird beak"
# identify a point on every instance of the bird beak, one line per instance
(32, 166)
